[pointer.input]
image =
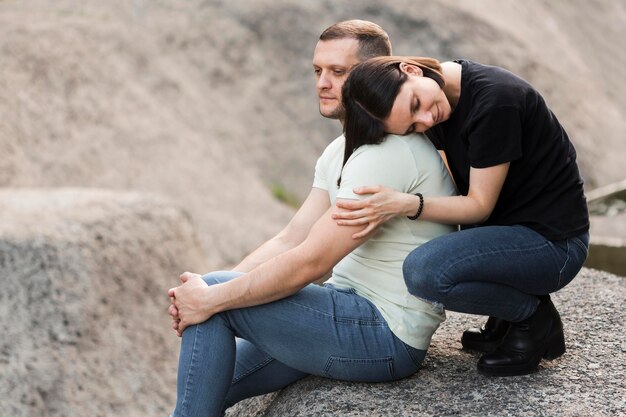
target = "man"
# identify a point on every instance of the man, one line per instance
(363, 326)
(340, 47)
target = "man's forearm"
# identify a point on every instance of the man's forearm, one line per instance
(288, 272)
(270, 249)
(277, 278)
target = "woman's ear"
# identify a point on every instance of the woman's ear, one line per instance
(411, 69)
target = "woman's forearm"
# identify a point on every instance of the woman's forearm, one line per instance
(448, 210)
(385, 203)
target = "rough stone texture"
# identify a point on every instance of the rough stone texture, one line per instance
(83, 322)
(589, 380)
(207, 103)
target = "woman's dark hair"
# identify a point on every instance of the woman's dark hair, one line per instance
(369, 93)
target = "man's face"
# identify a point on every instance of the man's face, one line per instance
(332, 61)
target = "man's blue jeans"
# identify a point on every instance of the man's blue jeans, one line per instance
(493, 270)
(323, 331)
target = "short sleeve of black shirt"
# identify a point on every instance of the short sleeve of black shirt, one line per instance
(495, 137)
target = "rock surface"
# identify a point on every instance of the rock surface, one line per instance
(589, 380)
(211, 104)
(83, 303)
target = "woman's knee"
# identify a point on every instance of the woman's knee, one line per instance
(422, 275)
(435, 267)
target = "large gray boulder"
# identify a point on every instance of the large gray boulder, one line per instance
(83, 322)
(589, 380)
(85, 331)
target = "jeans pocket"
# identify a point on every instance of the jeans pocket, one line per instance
(361, 370)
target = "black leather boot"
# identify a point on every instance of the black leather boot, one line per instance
(487, 338)
(526, 343)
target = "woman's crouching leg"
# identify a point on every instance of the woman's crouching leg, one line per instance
(493, 271)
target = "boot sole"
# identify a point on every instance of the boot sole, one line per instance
(555, 347)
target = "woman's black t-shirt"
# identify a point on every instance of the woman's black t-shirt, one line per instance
(501, 118)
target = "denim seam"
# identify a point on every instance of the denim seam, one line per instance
(496, 252)
(519, 250)
(524, 316)
(253, 370)
(564, 265)
(580, 244)
(363, 322)
(411, 355)
(190, 374)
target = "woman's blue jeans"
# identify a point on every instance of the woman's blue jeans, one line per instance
(323, 331)
(493, 270)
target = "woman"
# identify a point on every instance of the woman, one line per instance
(362, 325)
(521, 204)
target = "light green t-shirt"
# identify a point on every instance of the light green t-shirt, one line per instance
(409, 164)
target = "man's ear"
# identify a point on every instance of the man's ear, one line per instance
(411, 69)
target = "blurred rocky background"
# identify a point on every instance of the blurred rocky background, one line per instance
(139, 139)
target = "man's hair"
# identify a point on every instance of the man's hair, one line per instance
(373, 40)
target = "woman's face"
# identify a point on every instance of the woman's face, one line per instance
(419, 105)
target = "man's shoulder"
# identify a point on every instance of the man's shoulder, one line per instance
(400, 145)
(333, 150)
(393, 153)
(338, 142)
